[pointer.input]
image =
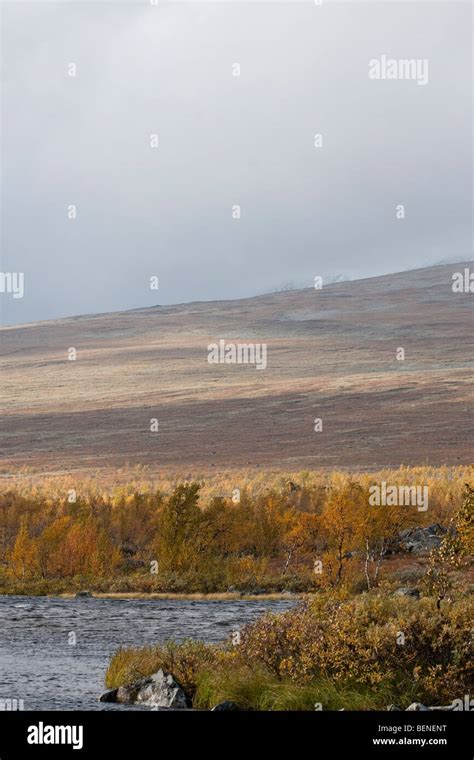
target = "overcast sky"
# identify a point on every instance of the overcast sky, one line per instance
(225, 141)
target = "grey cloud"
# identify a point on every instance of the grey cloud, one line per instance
(225, 141)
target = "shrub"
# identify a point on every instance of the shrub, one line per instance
(370, 640)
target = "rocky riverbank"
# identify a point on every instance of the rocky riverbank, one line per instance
(161, 691)
(375, 651)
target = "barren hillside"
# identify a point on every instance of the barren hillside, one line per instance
(331, 355)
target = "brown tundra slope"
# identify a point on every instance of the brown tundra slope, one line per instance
(331, 355)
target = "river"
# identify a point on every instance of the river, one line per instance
(54, 652)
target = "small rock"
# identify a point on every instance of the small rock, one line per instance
(417, 707)
(109, 696)
(226, 705)
(84, 595)
(393, 708)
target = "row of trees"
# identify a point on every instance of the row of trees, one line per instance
(289, 531)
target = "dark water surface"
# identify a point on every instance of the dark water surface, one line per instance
(38, 665)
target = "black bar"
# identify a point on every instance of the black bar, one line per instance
(130, 734)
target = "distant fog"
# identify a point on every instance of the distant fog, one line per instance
(151, 124)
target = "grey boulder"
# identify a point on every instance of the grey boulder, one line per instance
(421, 540)
(158, 690)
